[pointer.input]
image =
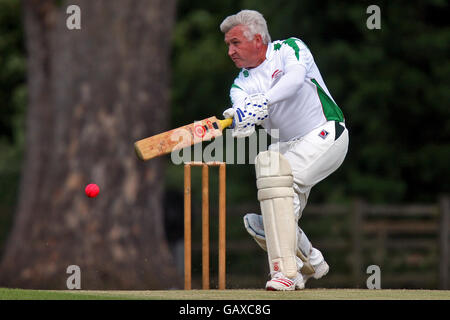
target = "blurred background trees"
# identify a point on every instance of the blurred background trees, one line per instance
(91, 93)
(392, 85)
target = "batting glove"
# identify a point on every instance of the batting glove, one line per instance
(243, 125)
(252, 112)
(257, 106)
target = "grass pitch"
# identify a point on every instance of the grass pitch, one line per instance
(308, 294)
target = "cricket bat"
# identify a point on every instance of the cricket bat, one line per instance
(179, 138)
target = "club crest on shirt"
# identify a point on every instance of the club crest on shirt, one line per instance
(276, 74)
(323, 134)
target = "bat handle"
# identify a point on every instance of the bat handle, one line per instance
(226, 123)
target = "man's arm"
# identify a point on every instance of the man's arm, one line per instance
(247, 111)
(297, 60)
(237, 94)
(288, 84)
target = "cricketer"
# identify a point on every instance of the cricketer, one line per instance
(280, 87)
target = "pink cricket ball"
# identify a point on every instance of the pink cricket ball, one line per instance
(92, 190)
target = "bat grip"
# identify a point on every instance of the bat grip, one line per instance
(226, 123)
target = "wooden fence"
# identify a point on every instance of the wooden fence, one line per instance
(410, 244)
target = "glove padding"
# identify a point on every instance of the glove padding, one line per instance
(258, 106)
(253, 112)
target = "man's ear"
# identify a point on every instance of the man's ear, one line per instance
(258, 40)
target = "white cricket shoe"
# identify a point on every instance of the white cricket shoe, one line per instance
(280, 282)
(320, 270)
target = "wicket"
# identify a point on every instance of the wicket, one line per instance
(205, 224)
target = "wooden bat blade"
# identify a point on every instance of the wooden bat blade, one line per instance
(180, 138)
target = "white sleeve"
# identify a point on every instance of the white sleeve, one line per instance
(295, 52)
(237, 94)
(297, 60)
(288, 84)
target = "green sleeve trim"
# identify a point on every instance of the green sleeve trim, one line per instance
(236, 86)
(330, 108)
(291, 43)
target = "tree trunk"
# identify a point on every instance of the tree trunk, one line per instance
(92, 93)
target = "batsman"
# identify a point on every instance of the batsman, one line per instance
(280, 87)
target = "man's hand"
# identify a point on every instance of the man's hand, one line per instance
(240, 127)
(258, 105)
(253, 112)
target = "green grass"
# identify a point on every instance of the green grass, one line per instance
(309, 294)
(20, 294)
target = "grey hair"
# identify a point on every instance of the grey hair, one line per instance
(253, 20)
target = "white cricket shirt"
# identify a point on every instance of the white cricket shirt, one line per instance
(299, 101)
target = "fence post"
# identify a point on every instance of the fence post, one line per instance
(444, 247)
(357, 245)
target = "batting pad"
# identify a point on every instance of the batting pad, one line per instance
(276, 196)
(254, 225)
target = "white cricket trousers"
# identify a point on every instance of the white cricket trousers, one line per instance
(313, 158)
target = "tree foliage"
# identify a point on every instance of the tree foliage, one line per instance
(12, 106)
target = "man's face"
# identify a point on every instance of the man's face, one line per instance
(244, 53)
